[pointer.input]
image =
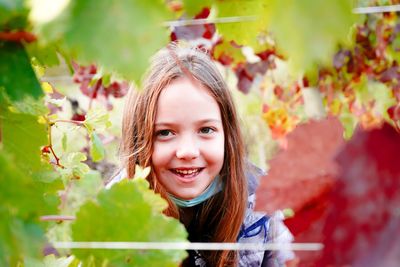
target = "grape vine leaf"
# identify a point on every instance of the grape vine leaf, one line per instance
(45, 54)
(73, 165)
(97, 119)
(309, 31)
(244, 32)
(78, 192)
(17, 75)
(192, 7)
(126, 213)
(23, 199)
(97, 150)
(13, 14)
(22, 136)
(365, 201)
(119, 35)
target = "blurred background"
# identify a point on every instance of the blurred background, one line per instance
(316, 84)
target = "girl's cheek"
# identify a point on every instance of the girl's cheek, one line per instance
(215, 149)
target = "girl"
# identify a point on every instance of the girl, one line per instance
(185, 126)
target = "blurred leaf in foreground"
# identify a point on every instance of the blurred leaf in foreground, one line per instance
(245, 32)
(23, 200)
(364, 215)
(22, 135)
(17, 75)
(120, 35)
(13, 14)
(309, 31)
(124, 213)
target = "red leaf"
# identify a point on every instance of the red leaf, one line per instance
(365, 200)
(203, 14)
(301, 178)
(307, 163)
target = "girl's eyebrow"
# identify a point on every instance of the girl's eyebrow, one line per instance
(204, 121)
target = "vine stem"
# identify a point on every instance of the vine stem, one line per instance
(51, 148)
(80, 123)
(18, 36)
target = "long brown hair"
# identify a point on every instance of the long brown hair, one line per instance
(138, 132)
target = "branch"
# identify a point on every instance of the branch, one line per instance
(18, 36)
(52, 150)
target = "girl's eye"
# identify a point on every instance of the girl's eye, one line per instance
(206, 130)
(164, 133)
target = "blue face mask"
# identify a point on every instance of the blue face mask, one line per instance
(214, 188)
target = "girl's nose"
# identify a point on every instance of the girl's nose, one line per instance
(188, 149)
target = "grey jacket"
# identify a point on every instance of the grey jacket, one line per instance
(260, 228)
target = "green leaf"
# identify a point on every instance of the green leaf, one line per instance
(119, 209)
(17, 75)
(82, 190)
(192, 7)
(73, 166)
(22, 137)
(97, 150)
(78, 193)
(254, 22)
(46, 55)
(309, 31)
(30, 105)
(13, 14)
(119, 35)
(97, 119)
(23, 199)
(383, 99)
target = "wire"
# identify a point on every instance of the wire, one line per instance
(187, 22)
(376, 9)
(189, 246)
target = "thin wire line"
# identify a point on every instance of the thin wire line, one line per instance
(189, 246)
(187, 22)
(376, 9)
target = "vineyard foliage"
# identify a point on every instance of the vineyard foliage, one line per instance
(54, 148)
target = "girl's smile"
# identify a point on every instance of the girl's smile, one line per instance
(187, 175)
(188, 139)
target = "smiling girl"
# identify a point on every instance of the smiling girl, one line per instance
(184, 125)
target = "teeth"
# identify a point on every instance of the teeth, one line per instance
(185, 172)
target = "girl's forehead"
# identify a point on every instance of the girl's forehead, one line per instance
(183, 99)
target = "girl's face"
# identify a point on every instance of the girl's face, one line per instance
(188, 140)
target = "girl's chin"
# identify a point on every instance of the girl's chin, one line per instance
(187, 195)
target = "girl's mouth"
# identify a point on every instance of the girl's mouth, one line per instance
(187, 173)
